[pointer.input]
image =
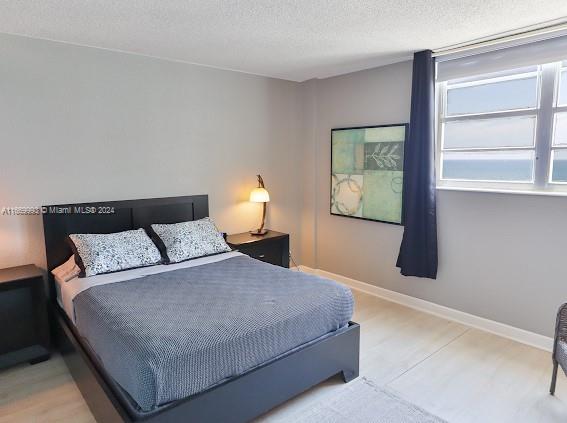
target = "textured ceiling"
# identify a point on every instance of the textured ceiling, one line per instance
(295, 40)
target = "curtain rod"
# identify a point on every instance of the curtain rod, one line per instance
(539, 32)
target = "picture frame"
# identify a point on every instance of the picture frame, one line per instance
(367, 172)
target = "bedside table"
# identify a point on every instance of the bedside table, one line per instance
(271, 248)
(23, 316)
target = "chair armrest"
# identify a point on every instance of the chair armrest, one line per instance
(560, 326)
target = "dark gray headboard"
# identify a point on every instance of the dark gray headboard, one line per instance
(113, 216)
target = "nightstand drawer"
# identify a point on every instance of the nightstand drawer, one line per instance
(271, 248)
(270, 252)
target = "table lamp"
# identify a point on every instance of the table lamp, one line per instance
(260, 195)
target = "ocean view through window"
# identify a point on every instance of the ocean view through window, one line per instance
(505, 129)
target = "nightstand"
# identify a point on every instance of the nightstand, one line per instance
(23, 316)
(271, 248)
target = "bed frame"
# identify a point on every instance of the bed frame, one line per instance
(237, 399)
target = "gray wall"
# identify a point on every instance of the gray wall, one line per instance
(81, 124)
(501, 256)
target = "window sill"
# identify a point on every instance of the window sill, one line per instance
(505, 191)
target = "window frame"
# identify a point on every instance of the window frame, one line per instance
(557, 109)
(548, 89)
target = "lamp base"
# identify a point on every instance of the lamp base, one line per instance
(259, 232)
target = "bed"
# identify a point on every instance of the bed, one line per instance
(204, 340)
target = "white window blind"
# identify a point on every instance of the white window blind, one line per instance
(547, 51)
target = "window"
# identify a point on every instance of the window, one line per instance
(504, 130)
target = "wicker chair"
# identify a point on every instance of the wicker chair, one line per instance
(559, 356)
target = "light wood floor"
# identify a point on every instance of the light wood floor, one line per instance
(456, 372)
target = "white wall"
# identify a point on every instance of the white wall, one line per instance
(81, 124)
(501, 256)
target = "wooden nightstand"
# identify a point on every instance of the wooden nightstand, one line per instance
(23, 316)
(272, 248)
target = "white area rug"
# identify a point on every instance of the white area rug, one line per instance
(361, 401)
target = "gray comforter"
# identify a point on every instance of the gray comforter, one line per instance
(167, 336)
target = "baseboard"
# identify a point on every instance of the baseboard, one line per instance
(497, 328)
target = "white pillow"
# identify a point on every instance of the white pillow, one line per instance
(66, 271)
(187, 240)
(105, 253)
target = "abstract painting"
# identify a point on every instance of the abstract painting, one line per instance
(367, 172)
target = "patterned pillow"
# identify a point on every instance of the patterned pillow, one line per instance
(187, 240)
(105, 253)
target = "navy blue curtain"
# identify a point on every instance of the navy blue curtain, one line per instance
(418, 252)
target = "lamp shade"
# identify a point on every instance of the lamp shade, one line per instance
(259, 195)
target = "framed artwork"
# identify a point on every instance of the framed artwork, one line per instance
(367, 172)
